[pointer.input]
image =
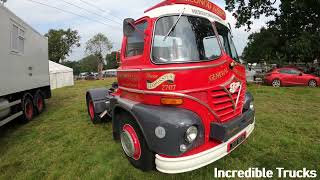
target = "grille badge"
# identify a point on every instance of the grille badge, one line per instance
(234, 87)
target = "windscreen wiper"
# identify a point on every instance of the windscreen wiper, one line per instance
(174, 25)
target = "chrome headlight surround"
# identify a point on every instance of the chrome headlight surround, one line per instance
(191, 134)
(252, 106)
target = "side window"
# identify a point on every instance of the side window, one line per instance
(284, 71)
(17, 38)
(211, 47)
(233, 50)
(226, 40)
(135, 42)
(295, 72)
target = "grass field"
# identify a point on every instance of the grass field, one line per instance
(62, 143)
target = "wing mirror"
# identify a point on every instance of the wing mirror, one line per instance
(128, 26)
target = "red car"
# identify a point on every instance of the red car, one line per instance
(290, 77)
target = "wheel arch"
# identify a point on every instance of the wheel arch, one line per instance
(98, 96)
(117, 110)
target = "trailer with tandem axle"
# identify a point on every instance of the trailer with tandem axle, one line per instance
(24, 69)
(181, 100)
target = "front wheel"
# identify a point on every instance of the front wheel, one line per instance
(134, 145)
(312, 83)
(276, 83)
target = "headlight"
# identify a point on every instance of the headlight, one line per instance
(191, 134)
(252, 106)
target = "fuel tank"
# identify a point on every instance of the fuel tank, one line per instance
(4, 111)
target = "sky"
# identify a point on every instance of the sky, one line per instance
(102, 16)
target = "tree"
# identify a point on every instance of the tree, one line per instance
(88, 64)
(262, 47)
(75, 65)
(61, 43)
(247, 10)
(111, 60)
(296, 28)
(99, 46)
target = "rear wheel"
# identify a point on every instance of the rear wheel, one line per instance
(276, 83)
(39, 103)
(95, 118)
(312, 83)
(134, 145)
(28, 109)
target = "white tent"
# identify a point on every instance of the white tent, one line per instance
(60, 76)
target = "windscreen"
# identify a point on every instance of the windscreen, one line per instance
(226, 41)
(192, 39)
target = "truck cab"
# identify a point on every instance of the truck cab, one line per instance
(181, 100)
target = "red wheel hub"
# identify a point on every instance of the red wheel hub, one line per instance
(130, 142)
(91, 110)
(40, 104)
(29, 110)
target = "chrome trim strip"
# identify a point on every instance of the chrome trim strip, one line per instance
(223, 86)
(230, 96)
(173, 68)
(173, 94)
(238, 96)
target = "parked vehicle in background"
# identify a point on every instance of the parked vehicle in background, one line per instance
(83, 75)
(91, 76)
(290, 77)
(24, 69)
(250, 75)
(110, 73)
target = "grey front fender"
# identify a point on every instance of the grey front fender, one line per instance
(175, 121)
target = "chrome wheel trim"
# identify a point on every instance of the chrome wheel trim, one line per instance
(276, 83)
(127, 143)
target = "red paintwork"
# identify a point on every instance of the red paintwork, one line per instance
(29, 111)
(136, 143)
(290, 79)
(198, 83)
(204, 4)
(40, 104)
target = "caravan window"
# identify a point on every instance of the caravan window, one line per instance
(17, 39)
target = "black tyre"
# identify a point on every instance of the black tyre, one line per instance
(94, 117)
(276, 83)
(312, 83)
(134, 145)
(39, 103)
(27, 109)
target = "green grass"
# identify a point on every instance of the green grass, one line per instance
(62, 144)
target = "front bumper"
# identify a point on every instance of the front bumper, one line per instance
(189, 163)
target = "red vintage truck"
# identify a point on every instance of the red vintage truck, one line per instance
(181, 100)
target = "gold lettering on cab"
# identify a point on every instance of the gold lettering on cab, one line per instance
(218, 75)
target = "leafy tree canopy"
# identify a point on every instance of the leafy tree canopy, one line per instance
(293, 35)
(99, 46)
(112, 60)
(61, 43)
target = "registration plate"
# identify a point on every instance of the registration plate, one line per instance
(233, 144)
